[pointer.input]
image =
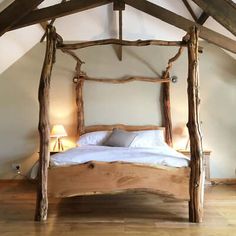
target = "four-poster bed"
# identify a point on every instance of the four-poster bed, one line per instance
(185, 183)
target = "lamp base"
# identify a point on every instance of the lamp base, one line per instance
(59, 145)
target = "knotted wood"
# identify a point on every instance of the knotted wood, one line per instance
(139, 43)
(125, 80)
(79, 99)
(197, 171)
(44, 126)
(167, 122)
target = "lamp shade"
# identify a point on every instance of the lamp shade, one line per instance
(58, 131)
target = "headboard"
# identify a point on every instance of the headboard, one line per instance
(93, 128)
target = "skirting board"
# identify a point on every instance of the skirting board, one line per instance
(216, 181)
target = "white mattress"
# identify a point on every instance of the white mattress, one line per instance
(163, 155)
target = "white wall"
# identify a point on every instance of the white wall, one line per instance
(135, 103)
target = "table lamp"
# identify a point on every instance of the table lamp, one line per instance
(58, 131)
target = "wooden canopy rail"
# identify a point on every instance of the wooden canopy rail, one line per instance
(126, 80)
(192, 185)
(139, 43)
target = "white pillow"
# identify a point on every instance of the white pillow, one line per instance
(149, 138)
(93, 138)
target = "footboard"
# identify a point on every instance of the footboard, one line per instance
(102, 177)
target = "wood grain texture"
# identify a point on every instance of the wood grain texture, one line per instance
(125, 214)
(93, 128)
(197, 169)
(102, 178)
(140, 43)
(44, 126)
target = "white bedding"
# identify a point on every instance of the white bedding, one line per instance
(163, 155)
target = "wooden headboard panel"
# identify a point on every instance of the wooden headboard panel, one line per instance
(93, 128)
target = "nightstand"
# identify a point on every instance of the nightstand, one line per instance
(206, 160)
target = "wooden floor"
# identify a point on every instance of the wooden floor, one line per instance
(122, 214)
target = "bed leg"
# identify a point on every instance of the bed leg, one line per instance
(44, 126)
(196, 197)
(196, 188)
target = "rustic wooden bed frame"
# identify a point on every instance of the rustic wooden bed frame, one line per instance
(98, 178)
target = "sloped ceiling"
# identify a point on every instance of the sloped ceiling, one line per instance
(100, 23)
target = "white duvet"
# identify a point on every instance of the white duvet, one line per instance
(163, 155)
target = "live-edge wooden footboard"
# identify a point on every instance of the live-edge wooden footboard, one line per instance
(102, 177)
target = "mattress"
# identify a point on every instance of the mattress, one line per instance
(163, 155)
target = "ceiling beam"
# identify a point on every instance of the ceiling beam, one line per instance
(46, 23)
(222, 11)
(183, 23)
(187, 5)
(202, 18)
(58, 10)
(16, 11)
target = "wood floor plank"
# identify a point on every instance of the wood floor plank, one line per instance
(115, 215)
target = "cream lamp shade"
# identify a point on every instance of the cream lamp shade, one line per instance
(58, 131)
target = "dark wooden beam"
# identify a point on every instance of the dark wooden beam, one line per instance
(15, 12)
(221, 11)
(58, 10)
(120, 35)
(202, 18)
(187, 5)
(119, 5)
(183, 23)
(45, 23)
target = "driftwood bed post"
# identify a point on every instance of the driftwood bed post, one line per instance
(44, 126)
(197, 171)
(167, 113)
(79, 100)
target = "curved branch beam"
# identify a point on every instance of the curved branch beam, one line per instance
(171, 61)
(68, 52)
(122, 81)
(75, 46)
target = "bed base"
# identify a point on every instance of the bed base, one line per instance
(103, 178)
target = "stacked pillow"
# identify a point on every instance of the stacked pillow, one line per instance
(121, 138)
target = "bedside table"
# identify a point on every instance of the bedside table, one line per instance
(206, 160)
